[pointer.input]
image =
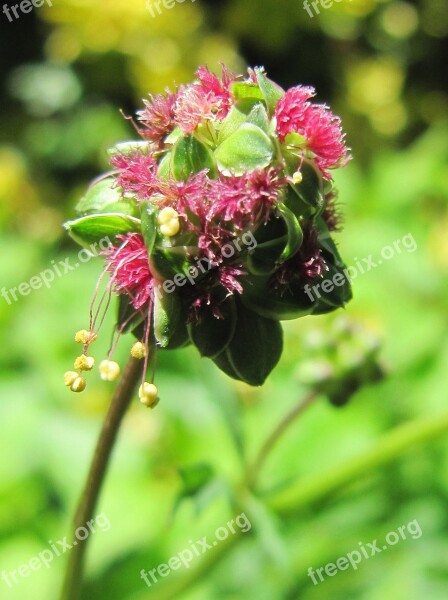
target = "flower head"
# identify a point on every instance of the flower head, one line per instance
(219, 218)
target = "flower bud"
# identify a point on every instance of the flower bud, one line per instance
(148, 394)
(84, 363)
(168, 219)
(138, 350)
(70, 377)
(79, 385)
(109, 370)
(83, 336)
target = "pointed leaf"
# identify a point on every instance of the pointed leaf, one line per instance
(211, 335)
(245, 150)
(191, 156)
(256, 346)
(105, 196)
(93, 228)
(271, 91)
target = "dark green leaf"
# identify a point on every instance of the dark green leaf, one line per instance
(255, 348)
(211, 335)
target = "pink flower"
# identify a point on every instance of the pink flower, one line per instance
(323, 132)
(137, 173)
(208, 99)
(129, 268)
(290, 109)
(247, 200)
(157, 117)
(316, 123)
(193, 106)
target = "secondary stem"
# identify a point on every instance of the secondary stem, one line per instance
(288, 419)
(89, 498)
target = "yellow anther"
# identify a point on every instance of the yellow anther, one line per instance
(297, 177)
(138, 350)
(79, 385)
(168, 219)
(70, 377)
(83, 336)
(148, 394)
(109, 370)
(84, 363)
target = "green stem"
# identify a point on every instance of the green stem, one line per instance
(285, 423)
(306, 492)
(89, 498)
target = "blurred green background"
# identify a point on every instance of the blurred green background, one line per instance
(381, 65)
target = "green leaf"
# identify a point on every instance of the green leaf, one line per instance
(104, 196)
(245, 89)
(149, 225)
(277, 240)
(93, 228)
(310, 190)
(259, 117)
(295, 233)
(211, 335)
(255, 348)
(270, 90)
(191, 156)
(263, 298)
(245, 150)
(170, 328)
(164, 168)
(129, 148)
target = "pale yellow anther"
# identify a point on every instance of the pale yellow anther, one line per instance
(109, 370)
(148, 394)
(83, 336)
(168, 219)
(70, 377)
(84, 363)
(79, 385)
(138, 350)
(297, 177)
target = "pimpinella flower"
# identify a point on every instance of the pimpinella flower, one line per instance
(219, 221)
(316, 124)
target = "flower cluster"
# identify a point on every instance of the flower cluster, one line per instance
(220, 215)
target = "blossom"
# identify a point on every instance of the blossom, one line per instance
(208, 99)
(320, 128)
(136, 173)
(157, 117)
(219, 162)
(247, 199)
(129, 268)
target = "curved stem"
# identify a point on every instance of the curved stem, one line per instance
(89, 498)
(288, 419)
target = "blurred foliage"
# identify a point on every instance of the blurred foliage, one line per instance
(67, 70)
